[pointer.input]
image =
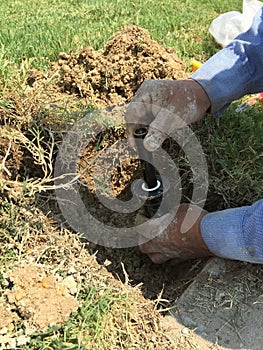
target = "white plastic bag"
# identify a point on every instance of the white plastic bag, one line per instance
(230, 24)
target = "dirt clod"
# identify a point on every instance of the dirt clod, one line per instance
(7, 317)
(40, 298)
(113, 74)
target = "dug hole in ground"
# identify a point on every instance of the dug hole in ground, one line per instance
(210, 304)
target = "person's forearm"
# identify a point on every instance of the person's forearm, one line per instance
(236, 70)
(235, 233)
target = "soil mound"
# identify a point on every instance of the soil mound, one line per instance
(113, 74)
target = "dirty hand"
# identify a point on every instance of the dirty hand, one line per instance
(165, 105)
(175, 242)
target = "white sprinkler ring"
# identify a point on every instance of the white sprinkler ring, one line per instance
(151, 189)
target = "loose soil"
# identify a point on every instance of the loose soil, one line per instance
(113, 74)
(95, 78)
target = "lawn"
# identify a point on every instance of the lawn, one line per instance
(34, 32)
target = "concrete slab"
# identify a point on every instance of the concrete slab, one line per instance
(224, 305)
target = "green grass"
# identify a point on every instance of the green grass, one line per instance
(233, 144)
(86, 326)
(33, 32)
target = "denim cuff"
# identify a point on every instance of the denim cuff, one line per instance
(223, 234)
(236, 70)
(224, 77)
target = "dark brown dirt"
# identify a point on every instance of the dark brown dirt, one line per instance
(10, 159)
(167, 279)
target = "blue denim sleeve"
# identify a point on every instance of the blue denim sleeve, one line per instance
(233, 72)
(236, 70)
(235, 233)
